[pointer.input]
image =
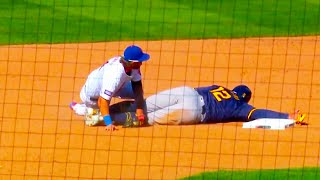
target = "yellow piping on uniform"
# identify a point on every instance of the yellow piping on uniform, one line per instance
(250, 113)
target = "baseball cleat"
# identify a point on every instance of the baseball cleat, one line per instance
(300, 118)
(72, 104)
(79, 109)
(132, 122)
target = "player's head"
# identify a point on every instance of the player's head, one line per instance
(133, 57)
(243, 92)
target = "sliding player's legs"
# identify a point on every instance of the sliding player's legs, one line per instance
(181, 105)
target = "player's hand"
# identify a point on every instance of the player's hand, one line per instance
(111, 127)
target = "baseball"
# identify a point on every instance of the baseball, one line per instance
(89, 111)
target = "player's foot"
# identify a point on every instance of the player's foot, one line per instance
(132, 122)
(72, 104)
(299, 118)
(79, 109)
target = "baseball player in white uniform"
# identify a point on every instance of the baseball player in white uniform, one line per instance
(118, 77)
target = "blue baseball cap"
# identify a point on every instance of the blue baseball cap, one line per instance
(135, 53)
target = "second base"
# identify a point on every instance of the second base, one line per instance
(269, 123)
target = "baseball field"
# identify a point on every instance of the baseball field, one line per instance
(49, 47)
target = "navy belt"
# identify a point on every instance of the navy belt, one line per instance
(203, 109)
(203, 106)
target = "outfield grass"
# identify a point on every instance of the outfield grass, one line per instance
(57, 21)
(282, 174)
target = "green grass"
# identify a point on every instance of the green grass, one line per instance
(282, 174)
(56, 21)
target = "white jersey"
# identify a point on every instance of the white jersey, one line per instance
(107, 80)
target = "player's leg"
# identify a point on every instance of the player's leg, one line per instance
(78, 108)
(127, 119)
(123, 106)
(123, 113)
(81, 108)
(173, 115)
(175, 106)
(163, 99)
(87, 102)
(168, 98)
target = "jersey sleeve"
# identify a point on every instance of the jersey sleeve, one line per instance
(136, 75)
(112, 80)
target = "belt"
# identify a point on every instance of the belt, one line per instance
(203, 109)
(202, 104)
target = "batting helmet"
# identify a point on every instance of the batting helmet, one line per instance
(243, 92)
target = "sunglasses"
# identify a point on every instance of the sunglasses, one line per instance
(130, 62)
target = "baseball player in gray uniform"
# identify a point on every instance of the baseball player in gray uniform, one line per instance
(210, 104)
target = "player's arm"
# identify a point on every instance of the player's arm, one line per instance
(110, 84)
(104, 110)
(103, 106)
(138, 94)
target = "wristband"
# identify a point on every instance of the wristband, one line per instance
(107, 120)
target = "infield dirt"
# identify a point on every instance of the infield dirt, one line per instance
(41, 137)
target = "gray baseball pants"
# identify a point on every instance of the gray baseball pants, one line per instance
(181, 105)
